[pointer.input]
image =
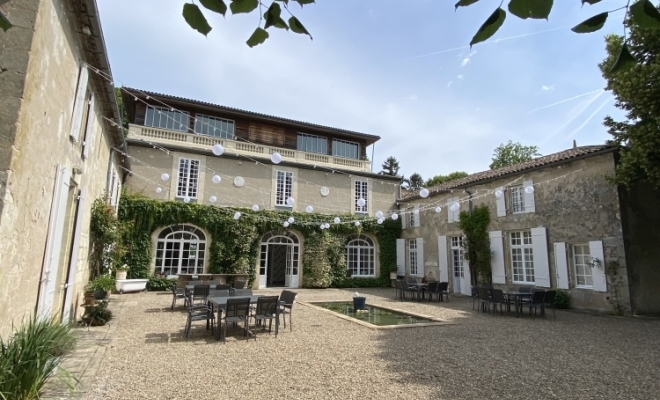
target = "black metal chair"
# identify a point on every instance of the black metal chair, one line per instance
(498, 298)
(525, 289)
(242, 292)
(549, 300)
(223, 286)
(443, 290)
(200, 293)
(267, 309)
(399, 290)
(537, 300)
(239, 284)
(484, 298)
(236, 310)
(409, 289)
(433, 289)
(199, 313)
(287, 299)
(178, 293)
(215, 283)
(475, 296)
(219, 293)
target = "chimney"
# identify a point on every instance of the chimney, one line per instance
(574, 144)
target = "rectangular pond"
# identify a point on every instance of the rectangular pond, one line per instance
(374, 315)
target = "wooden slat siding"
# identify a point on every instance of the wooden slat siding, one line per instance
(291, 139)
(241, 129)
(266, 134)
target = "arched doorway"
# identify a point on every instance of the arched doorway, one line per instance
(279, 260)
(180, 249)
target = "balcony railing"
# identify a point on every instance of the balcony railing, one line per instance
(164, 137)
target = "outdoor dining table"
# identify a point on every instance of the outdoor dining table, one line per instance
(421, 288)
(221, 302)
(518, 299)
(191, 287)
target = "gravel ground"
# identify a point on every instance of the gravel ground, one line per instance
(576, 356)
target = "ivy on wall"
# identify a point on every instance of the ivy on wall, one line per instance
(477, 243)
(235, 244)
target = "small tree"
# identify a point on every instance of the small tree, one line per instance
(477, 242)
(513, 153)
(414, 182)
(440, 179)
(390, 166)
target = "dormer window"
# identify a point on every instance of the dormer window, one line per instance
(343, 148)
(165, 118)
(213, 126)
(312, 143)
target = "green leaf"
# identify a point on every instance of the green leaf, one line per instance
(488, 29)
(624, 61)
(591, 2)
(4, 22)
(464, 3)
(243, 6)
(303, 2)
(297, 27)
(592, 24)
(535, 9)
(645, 14)
(194, 17)
(273, 17)
(258, 37)
(218, 6)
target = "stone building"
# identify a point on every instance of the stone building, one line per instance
(267, 162)
(55, 153)
(555, 223)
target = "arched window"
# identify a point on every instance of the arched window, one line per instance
(360, 256)
(180, 250)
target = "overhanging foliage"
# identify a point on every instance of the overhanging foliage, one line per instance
(477, 242)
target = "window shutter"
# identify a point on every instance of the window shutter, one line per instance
(401, 257)
(529, 197)
(417, 217)
(457, 213)
(443, 261)
(466, 288)
(501, 203)
(404, 219)
(598, 273)
(89, 129)
(420, 256)
(497, 249)
(450, 213)
(541, 263)
(561, 265)
(73, 261)
(79, 103)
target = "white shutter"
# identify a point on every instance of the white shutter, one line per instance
(466, 285)
(404, 219)
(541, 262)
(79, 103)
(529, 197)
(420, 256)
(501, 204)
(598, 272)
(561, 265)
(450, 213)
(54, 242)
(443, 262)
(73, 263)
(497, 262)
(89, 129)
(417, 216)
(457, 213)
(401, 257)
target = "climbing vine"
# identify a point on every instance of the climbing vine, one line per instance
(235, 243)
(108, 246)
(477, 243)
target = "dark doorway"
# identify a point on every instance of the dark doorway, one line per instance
(276, 265)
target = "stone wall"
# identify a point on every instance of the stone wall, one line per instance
(577, 208)
(43, 86)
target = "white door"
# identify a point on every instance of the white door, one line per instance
(73, 262)
(466, 281)
(291, 277)
(263, 267)
(457, 263)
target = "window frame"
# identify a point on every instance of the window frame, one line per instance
(167, 235)
(187, 186)
(526, 257)
(363, 244)
(199, 120)
(281, 193)
(322, 140)
(585, 258)
(456, 247)
(159, 111)
(517, 205)
(363, 192)
(412, 257)
(345, 142)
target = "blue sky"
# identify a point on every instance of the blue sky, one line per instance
(401, 69)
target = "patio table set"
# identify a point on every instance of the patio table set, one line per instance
(413, 289)
(490, 298)
(232, 305)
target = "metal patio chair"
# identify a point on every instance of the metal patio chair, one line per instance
(287, 299)
(267, 309)
(236, 310)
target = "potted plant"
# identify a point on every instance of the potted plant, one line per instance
(102, 285)
(120, 272)
(97, 315)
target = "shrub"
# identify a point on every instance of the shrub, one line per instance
(31, 356)
(102, 282)
(97, 314)
(562, 300)
(155, 283)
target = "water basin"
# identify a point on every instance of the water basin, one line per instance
(376, 316)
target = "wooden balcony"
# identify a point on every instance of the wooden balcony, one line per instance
(166, 137)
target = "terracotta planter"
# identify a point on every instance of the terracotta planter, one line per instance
(89, 299)
(120, 275)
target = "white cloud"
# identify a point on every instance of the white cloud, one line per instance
(413, 97)
(449, 84)
(460, 77)
(465, 61)
(547, 88)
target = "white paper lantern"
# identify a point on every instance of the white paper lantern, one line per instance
(255, 208)
(218, 149)
(322, 226)
(290, 201)
(237, 215)
(416, 211)
(337, 220)
(158, 190)
(357, 223)
(165, 176)
(213, 199)
(379, 214)
(216, 179)
(327, 225)
(186, 199)
(498, 193)
(361, 202)
(395, 216)
(309, 209)
(380, 221)
(529, 189)
(290, 220)
(424, 193)
(454, 207)
(438, 209)
(285, 224)
(276, 158)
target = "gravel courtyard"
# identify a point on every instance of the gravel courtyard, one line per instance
(576, 356)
